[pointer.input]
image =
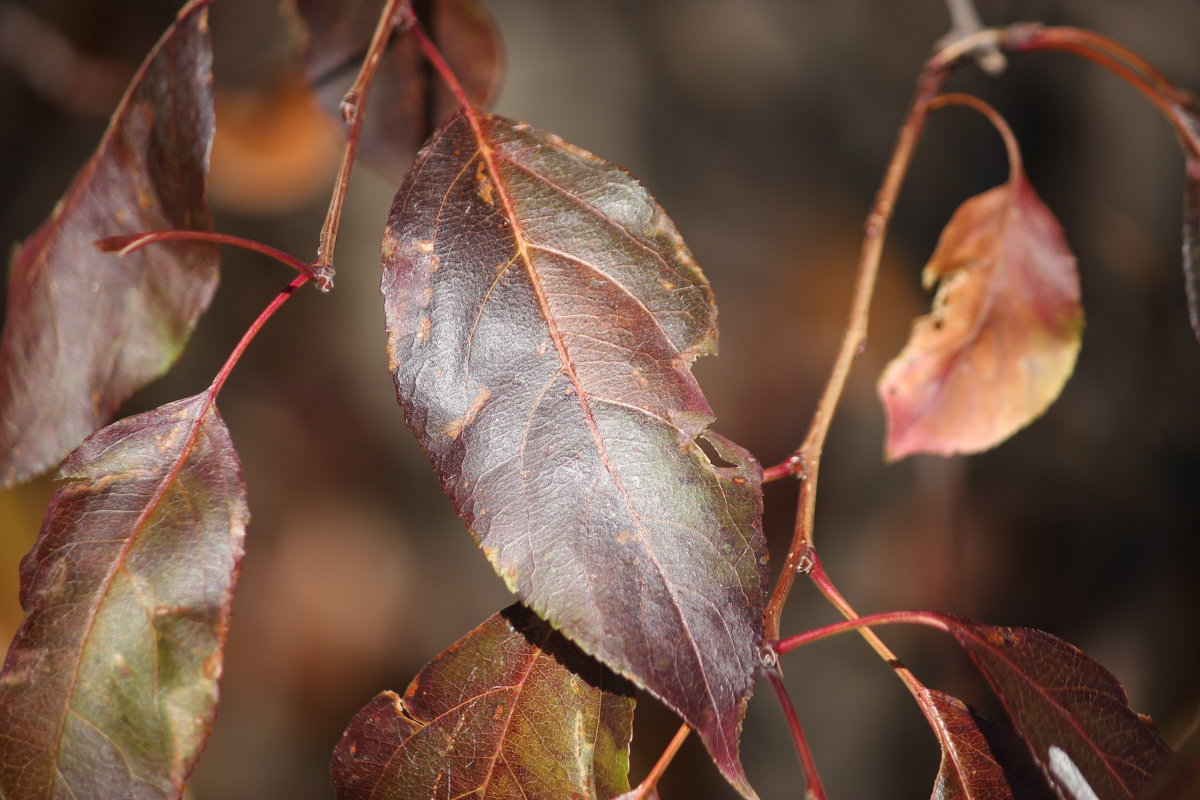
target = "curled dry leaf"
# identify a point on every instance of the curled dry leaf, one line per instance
(110, 686)
(542, 316)
(512, 711)
(86, 329)
(1073, 715)
(406, 101)
(1004, 332)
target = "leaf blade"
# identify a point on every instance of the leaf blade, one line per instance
(109, 688)
(511, 710)
(84, 329)
(977, 370)
(543, 313)
(406, 102)
(968, 770)
(1072, 713)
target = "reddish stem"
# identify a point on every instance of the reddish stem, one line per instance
(124, 245)
(815, 789)
(793, 465)
(928, 618)
(434, 55)
(251, 332)
(1015, 166)
(854, 339)
(1127, 65)
(354, 107)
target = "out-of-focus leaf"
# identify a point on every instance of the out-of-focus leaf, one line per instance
(1179, 779)
(1003, 335)
(1071, 712)
(273, 152)
(512, 711)
(110, 686)
(1191, 241)
(86, 329)
(969, 770)
(542, 316)
(407, 101)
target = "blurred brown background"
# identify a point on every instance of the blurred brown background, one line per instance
(763, 126)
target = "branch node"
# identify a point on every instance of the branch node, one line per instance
(964, 22)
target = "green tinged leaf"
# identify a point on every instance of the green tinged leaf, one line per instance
(85, 329)
(542, 316)
(110, 686)
(512, 711)
(1072, 713)
(406, 102)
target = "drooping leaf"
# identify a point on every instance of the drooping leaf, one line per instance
(982, 759)
(512, 711)
(1003, 335)
(968, 770)
(85, 329)
(110, 686)
(1191, 241)
(542, 316)
(407, 101)
(1072, 713)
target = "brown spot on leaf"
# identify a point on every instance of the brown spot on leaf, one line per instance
(486, 190)
(456, 427)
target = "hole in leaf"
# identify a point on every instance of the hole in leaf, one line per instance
(714, 457)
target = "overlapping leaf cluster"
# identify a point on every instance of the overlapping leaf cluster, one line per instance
(543, 313)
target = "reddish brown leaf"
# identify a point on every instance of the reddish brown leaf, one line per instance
(969, 770)
(982, 759)
(1071, 712)
(110, 685)
(1004, 332)
(1179, 779)
(543, 313)
(86, 329)
(512, 711)
(406, 102)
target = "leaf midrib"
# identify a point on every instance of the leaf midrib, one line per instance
(118, 563)
(487, 153)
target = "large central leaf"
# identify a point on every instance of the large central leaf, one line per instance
(542, 314)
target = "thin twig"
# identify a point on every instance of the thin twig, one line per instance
(251, 332)
(354, 107)
(815, 790)
(917, 689)
(124, 245)
(809, 453)
(928, 618)
(964, 21)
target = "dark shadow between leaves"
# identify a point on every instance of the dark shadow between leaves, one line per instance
(565, 652)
